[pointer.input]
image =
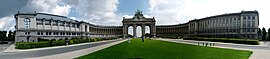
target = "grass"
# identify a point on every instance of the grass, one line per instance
(155, 49)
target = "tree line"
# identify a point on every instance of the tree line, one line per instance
(7, 36)
(263, 35)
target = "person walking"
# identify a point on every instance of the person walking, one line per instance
(128, 39)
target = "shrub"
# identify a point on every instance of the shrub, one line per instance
(71, 42)
(225, 40)
(28, 45)
(60, 42)
(41, 39)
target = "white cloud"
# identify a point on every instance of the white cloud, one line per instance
(181, 11)
(7, 23)
(46, 6)
(49, 6)
(100, 12)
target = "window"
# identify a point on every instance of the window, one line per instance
(73, 25)
(238, 22)
(27, 33)
(27, 23)
(67, 24)
(248, 21)
(47, 22)
(54, 23)
(234, 23)
(48, 33)
(231, 23)
(78, 25)
(253, 21)
(39, 33)
(40, 22)
(244, 21)
(61, 23)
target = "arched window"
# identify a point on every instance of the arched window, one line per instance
(27, 23)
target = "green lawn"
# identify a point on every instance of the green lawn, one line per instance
(155, 49)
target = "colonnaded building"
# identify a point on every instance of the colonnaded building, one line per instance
(30, 26)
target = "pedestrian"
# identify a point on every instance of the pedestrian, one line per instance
(128, 40)
(66, 42)
(142, 39)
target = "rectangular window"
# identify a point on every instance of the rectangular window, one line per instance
(47, 22)
(234, 23)
(38, 33)
(27, 33)
(73, 24)
(244, 22)
(253, 21)
(231, 23)
(39, 22)
(54, 23)
(67, 24)
(61, 23)
(78, 25)
(248, 21)
(239, 23)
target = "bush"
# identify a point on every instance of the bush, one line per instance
(171, 37)
(28, 45)
(60, 42)
(41, 39)
(225, 40)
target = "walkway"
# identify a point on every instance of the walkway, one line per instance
(259, 51)
(59, 52)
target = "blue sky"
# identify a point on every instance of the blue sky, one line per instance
(127, 7)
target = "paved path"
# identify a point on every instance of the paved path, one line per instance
(51, 51)
(259, 51)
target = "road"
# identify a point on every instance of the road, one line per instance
(46, 52)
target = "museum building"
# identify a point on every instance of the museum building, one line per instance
(31, 26)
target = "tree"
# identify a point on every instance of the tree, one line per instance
(3, 35)
(264, 34)
(268, 34)
(259, 33)
(10, 36)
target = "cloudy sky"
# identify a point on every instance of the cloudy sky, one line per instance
(111, 12)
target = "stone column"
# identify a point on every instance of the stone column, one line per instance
(134, 31)
(143, 31)
(125, 33)
(153, 30)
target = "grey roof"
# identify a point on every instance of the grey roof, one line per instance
(54, 17)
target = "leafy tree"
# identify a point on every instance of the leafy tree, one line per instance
(268, 34)
(3, 35)
(259, 33)
(11, 36)
(264, 34)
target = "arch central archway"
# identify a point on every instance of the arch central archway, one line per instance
(139, 20)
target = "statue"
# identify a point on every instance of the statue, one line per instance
(138, 14)
(138, 11)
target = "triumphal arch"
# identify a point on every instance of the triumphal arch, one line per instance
(139, 20)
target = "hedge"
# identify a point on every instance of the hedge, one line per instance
(171, 37)
(49, 43)
(225, 40)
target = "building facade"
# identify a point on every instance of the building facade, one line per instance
(244, 24)
(31, 26)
